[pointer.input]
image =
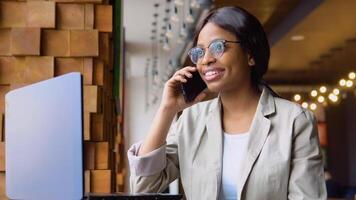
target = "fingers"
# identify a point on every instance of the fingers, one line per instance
(184, 73)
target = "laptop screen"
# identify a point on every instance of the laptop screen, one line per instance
(43, 130)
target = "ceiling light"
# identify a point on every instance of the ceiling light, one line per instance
(336, 91)
(314, 93)
(305, 105)
(342, 82)
(297, 37)
(321, 99)
(313, 106)
(322, 89)
(175, 16)
(349, 83)
(352, 75)
(297, 97)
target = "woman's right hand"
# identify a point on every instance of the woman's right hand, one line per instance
(172, 98)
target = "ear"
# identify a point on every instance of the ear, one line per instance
(250, 60)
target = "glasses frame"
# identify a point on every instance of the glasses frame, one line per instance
(203, 48)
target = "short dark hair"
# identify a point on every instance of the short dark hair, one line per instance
(248, 29)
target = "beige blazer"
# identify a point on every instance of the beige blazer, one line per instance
(283, 159)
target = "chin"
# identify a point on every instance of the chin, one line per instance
(215, 87)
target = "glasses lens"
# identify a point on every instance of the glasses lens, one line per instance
(195, 54)
(216, 48)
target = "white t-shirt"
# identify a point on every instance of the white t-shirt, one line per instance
(233, 154)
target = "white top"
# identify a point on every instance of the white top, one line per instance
(233, 154)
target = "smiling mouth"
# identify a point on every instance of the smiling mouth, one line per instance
(213, 75)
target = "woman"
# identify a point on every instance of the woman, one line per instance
(245, 144)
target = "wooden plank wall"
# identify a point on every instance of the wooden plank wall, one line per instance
(44, 39)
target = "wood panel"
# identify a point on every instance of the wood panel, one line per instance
(41, 14)
(13, 14)
(2, 156)
(103, 18)
(84, 43)
(25, 41)
(5, 35)
(55, 43)
(101, 155)
(92, 99)
(100, 181)
(38, 68)
(70, 16)
(3, 90)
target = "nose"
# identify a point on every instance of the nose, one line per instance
(208, 59)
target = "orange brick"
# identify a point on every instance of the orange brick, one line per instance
(104, 47)
(87, 126)
(78, 1)
(3, 90)
(88, 71)
(100, 181)
(101, 155)
(12, 14)
(11, 70)
(1, 127)
(55, 43)
(66, 65)
(103, 18)
(84, 43)
(86, 181)
(89, 17)
(92, 99)
(38, 68)
(2, 186)
(97, 127)
(98, 70)
(89, 155)
(70, 16)
(41, 14)
(5, 38)
(25, 41)
(2, 156)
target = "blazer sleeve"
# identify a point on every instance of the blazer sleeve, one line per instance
(306, 179)
(153, 172)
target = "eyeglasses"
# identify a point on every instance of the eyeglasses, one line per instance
(216, 48)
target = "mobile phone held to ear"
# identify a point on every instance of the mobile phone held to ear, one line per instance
(193, 87)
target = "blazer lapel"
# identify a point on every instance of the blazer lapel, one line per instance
(258, 134)
(215, 141)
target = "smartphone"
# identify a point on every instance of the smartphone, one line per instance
(193, 87)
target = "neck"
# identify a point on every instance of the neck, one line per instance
(241, 101)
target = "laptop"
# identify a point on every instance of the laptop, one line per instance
(44, 145)
(44, 142)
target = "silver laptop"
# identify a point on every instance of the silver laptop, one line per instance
(44, 140)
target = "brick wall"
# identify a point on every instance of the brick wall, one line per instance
(43, 39)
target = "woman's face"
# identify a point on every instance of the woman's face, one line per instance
(231, 71)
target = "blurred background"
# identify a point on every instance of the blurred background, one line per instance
(313, 48)
(127, 49)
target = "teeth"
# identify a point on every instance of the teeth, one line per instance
(210, 73)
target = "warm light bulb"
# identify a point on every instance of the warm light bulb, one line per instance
(333, 97)
(321, 99)
(342, 82)
(349, 83)
(314, 93)
(322, 89)
(336, 91)
(313, 106)
(352, 75)
(305, 105)
(297, 97)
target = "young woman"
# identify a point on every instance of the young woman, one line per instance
(245, 144)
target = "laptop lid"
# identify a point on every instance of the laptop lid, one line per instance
(44, 143)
